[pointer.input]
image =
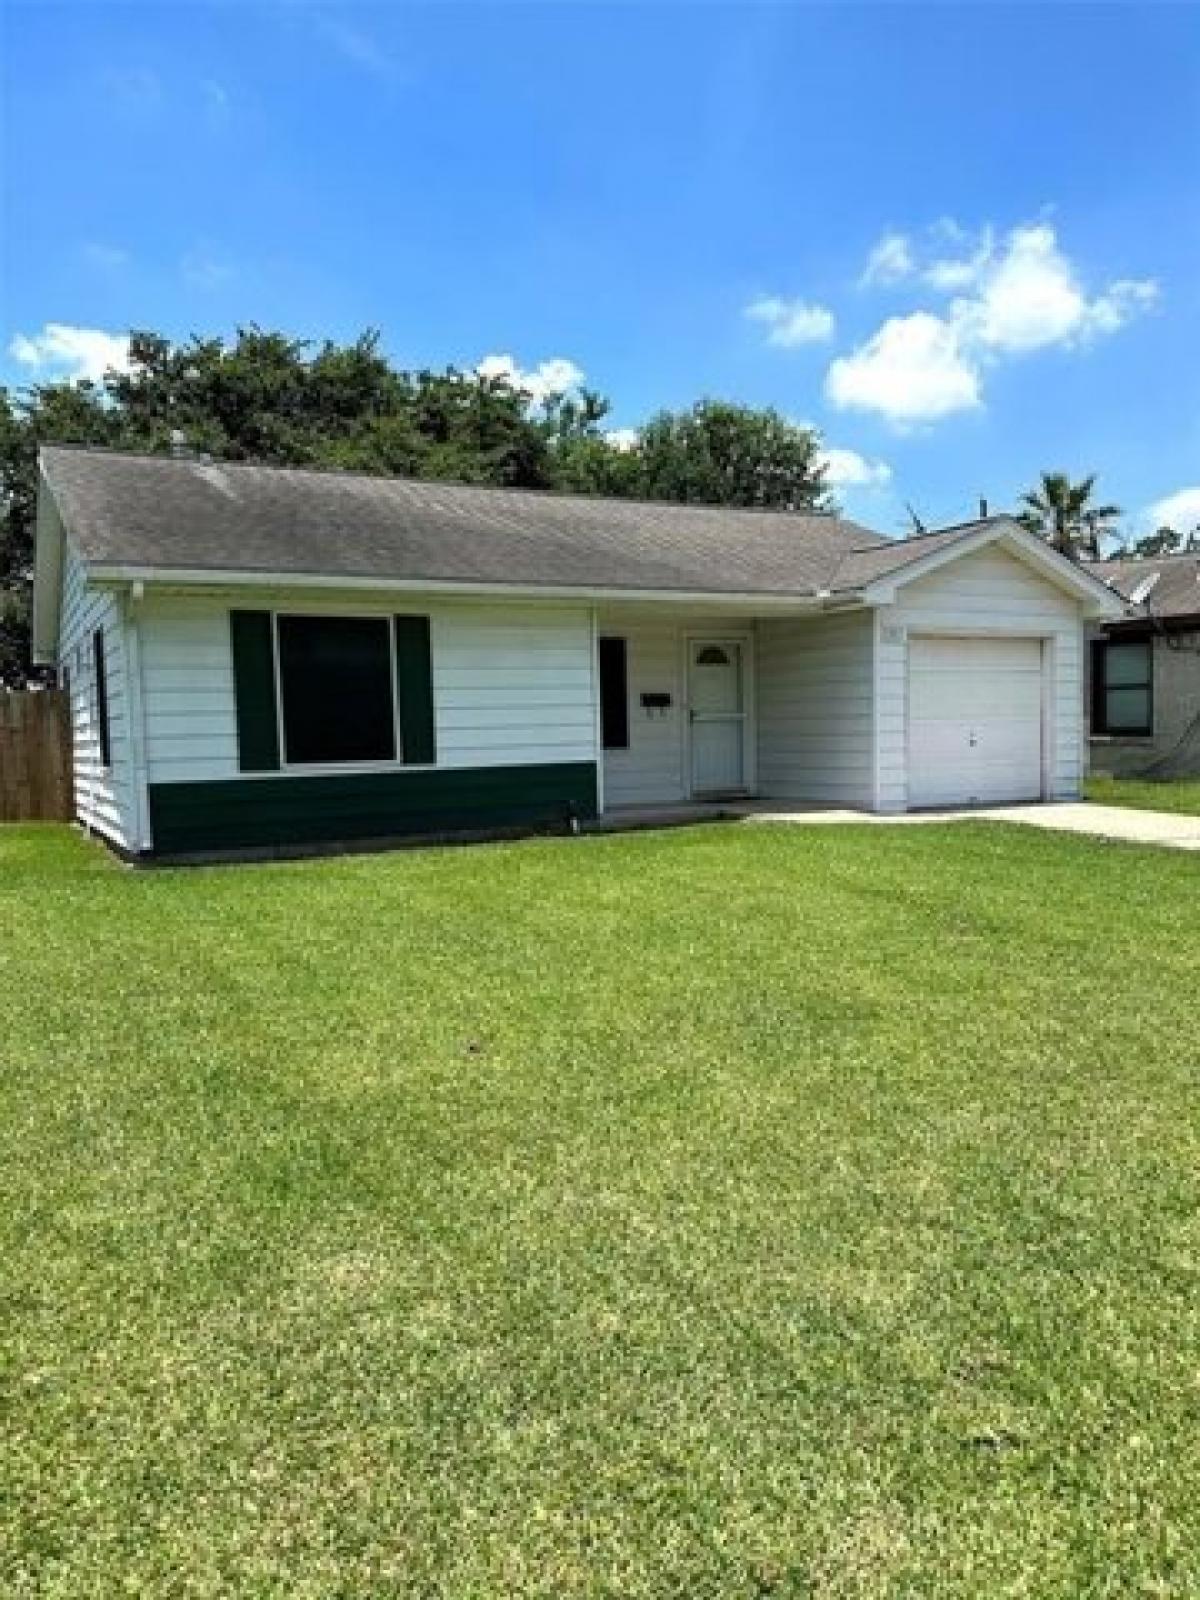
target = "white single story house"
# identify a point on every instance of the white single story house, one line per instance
(262, 657)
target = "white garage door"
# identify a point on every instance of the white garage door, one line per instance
(974, 721)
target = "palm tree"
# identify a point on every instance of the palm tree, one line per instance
(1062, 513)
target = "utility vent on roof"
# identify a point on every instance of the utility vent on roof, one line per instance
(1141, 591)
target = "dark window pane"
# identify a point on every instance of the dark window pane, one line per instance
(335, 677)
(614, 695)
(1122, 686)
(101, 697)
(1128, 665)
(1128, 711)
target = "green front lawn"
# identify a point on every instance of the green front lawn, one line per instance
(1179, 794)
(726, 1212)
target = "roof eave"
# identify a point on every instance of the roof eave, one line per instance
(120, 574)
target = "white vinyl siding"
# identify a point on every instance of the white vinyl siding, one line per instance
(104, 796)
(815, 694)
(512, 683)
(988, 594)
(650, 770)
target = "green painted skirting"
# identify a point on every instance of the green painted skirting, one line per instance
(259, 813)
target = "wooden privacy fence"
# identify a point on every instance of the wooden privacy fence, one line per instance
(35, 756)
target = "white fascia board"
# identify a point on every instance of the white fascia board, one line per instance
(214, 579)
(1099, 600)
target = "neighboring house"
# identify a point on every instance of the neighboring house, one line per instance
(260, 657)
(1144, 698)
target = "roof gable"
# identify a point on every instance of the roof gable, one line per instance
(952, 544)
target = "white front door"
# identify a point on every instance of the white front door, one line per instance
(974, 721)
(717, 716)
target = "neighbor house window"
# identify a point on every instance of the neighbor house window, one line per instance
(614, 695)
(1122, 686)
(336, 688)
(101, 697)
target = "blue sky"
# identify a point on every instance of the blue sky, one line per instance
(961, 239)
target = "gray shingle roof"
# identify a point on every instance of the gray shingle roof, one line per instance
(880, 561)
(1175, 592)
(162, 512)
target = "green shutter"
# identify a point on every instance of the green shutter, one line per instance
(254, 690)
(414, 690)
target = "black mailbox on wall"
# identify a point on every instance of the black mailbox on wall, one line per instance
(656, 702)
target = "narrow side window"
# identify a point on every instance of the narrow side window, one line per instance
(614, 695)
(101, 697)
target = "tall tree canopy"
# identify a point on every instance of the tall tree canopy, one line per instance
(730, 455)
(266, 397)
(1164, 541)
(1066, 515)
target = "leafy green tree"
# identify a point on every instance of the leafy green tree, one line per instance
(72, 413)
(262, 397)
(721, 454)
(1065, 515)
(1164, 541)
(266, 397)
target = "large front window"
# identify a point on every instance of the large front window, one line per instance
(336, 686)
(1122, 686)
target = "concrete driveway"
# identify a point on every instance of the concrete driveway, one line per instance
(1104, 822)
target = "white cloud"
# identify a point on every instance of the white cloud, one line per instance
(890, 261)
(1030, 296)
(952, 273)
(1016, 296)
(63, 351)
(622, 438)
(846, 469)
(1180, 511)
(791, 322)
(1122, 300)
(552, 377)
(912, 370)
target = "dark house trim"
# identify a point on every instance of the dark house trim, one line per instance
(292, 810)
(1147, 628)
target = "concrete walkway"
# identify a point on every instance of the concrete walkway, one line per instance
(1104, 822)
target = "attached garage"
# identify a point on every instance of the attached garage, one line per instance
(974, 721)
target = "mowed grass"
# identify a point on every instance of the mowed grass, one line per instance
(736, 1211)
(1177, 794)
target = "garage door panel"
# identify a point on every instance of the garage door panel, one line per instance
(975, 721)
(1001, 697)
(987, 654)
